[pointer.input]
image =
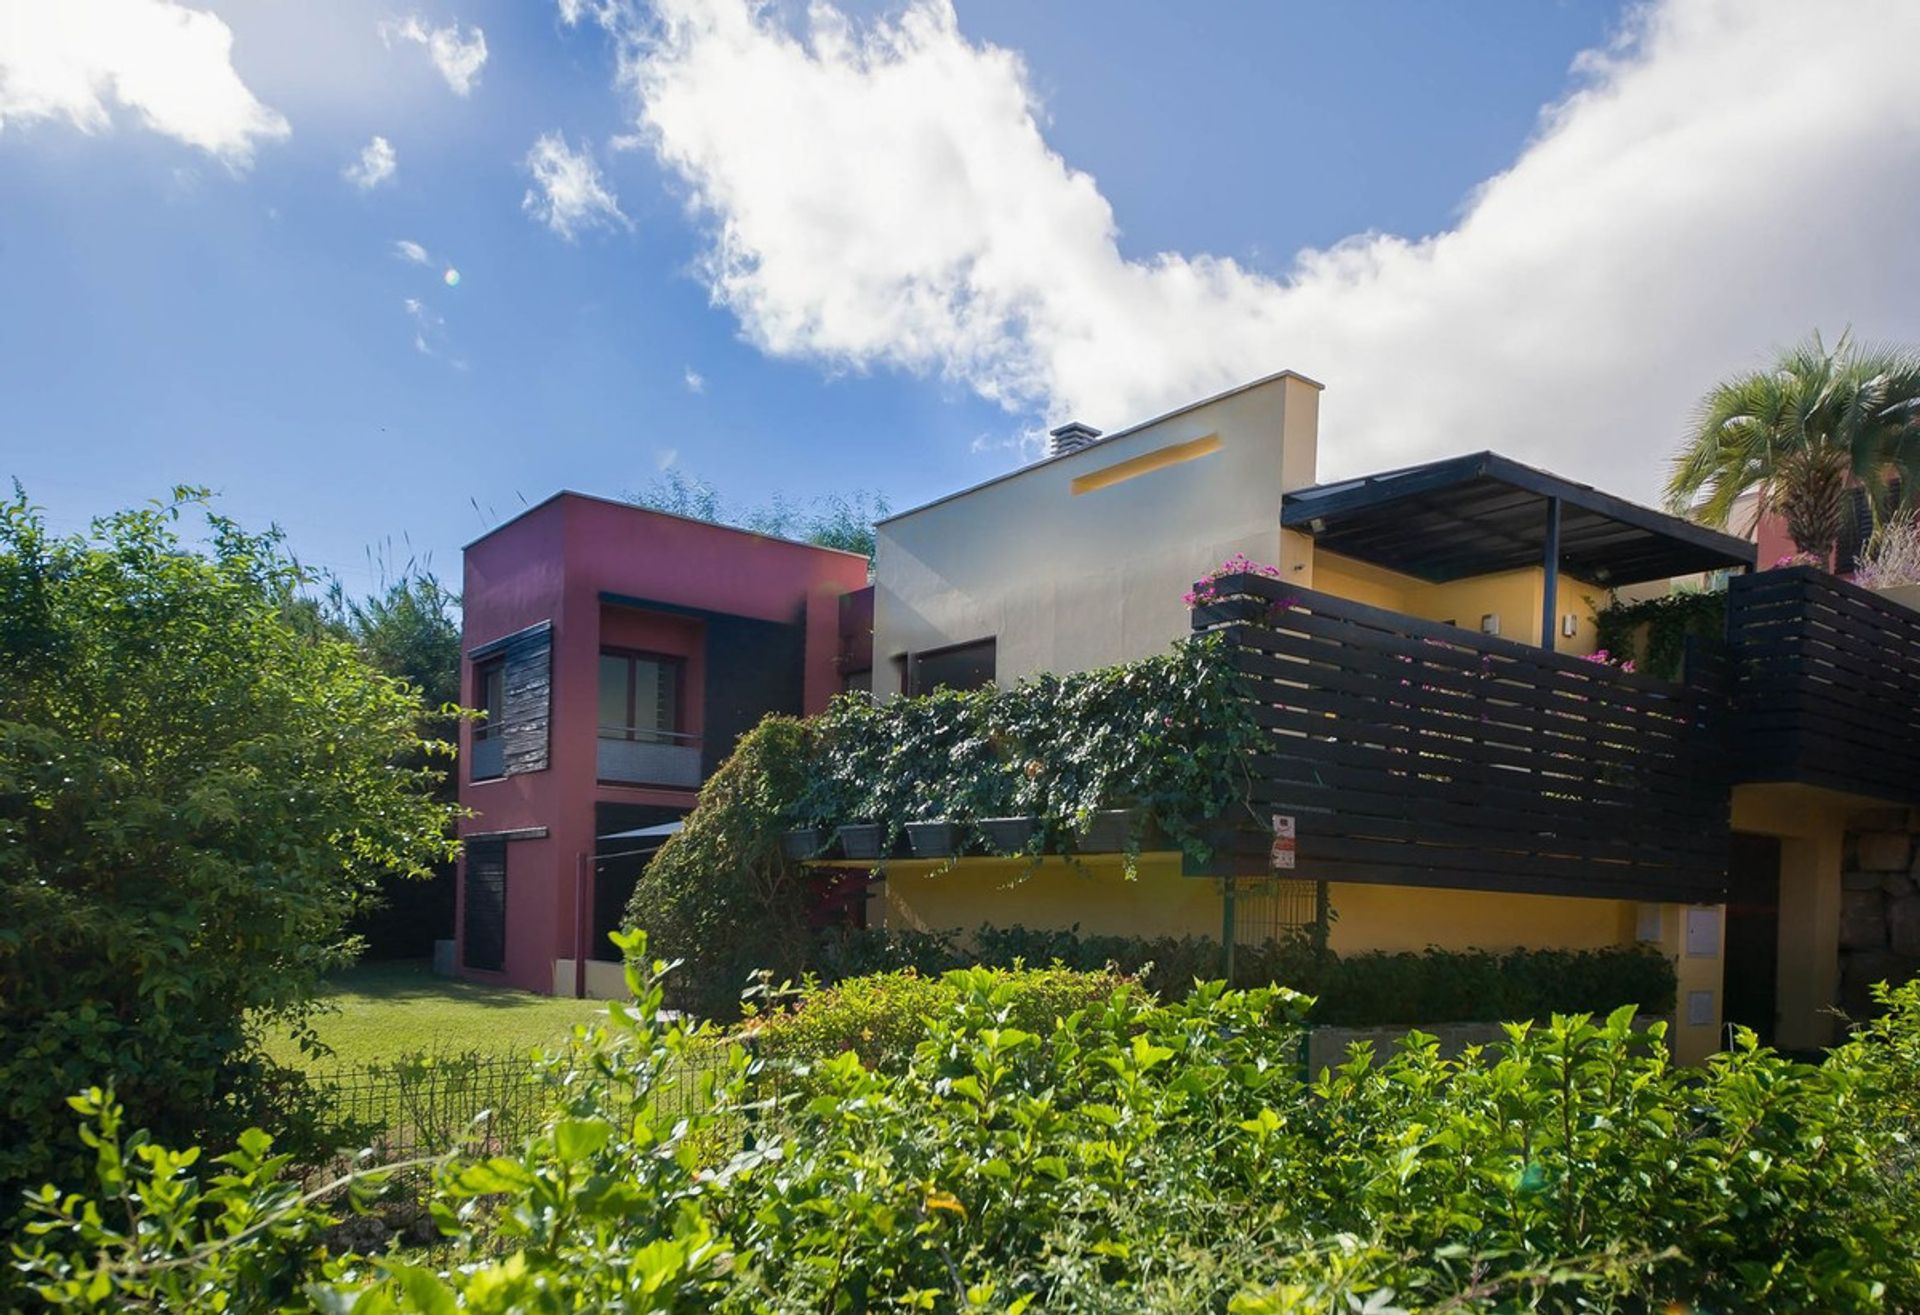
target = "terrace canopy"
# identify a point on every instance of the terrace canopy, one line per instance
(1481, 514)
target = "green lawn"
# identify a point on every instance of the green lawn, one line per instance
(386, 1010)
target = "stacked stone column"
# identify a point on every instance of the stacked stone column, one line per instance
(1879, 915)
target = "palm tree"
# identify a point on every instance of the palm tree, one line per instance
(1803, 432)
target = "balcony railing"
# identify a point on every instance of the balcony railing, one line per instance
(635, 756)
(1826, 684)
(1407, 752)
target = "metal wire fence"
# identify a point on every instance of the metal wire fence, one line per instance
(473, 1102)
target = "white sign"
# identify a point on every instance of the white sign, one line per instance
(1282, 826)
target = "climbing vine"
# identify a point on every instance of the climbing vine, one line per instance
(1167, 736)
(1661, 646)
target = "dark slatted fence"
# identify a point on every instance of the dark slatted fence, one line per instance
(1826, 684)
(1413, 753)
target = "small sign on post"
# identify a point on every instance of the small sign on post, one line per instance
(1283, 854)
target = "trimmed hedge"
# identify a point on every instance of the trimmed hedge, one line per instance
(1361, 990)
(883, 1017)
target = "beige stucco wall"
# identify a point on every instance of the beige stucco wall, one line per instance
(1067, 580)
(605, 981)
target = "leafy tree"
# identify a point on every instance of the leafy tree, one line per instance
(408, 628)
(1802, 432)
(196, 793)
(843, 521)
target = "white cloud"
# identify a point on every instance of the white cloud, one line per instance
(375, 166)
(694, 380)
(664, 457)
(170, 64)
(568, 193)
(430, 332)
(412, 252)
(1726, 176)
(459, 56)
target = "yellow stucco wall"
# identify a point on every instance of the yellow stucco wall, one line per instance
(1394, 918)
(1098, 899)
(1096, 896)
(1513, 596)
(1811, 824)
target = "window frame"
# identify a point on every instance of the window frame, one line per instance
(678, 733)
(492, 725)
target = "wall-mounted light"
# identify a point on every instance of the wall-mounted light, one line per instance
(1490, 623)
(1317, 525)
(1570, 625)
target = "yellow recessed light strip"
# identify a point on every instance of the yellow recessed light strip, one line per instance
(1146, 463)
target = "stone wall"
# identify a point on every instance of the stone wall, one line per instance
(1879, 914)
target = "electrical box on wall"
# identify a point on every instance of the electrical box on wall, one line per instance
(1647, 930)
(1699, 1008)
(1703, 933)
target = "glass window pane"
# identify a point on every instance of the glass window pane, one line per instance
(613, 692)
(646, 695)
(491, 697)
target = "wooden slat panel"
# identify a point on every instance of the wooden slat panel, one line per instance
(1420, 754)
(527, 689)
(1825, 684)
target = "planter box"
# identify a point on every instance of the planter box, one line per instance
(863, 840)
(1907, 595)
(802, 843)
(1109, 832)
(934, 839)
(1008, 835)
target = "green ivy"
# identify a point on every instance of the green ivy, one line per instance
(1668, 621)
(1169, 736)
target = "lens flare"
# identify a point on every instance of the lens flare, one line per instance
(452, 277)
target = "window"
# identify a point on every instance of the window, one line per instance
(962, 666)
(490, 697)
(486, 905)
(640, 697)
(512, 684)
(489, 733)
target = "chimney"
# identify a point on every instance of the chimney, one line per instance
(1070, 437)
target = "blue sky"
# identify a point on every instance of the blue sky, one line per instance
(852, 240)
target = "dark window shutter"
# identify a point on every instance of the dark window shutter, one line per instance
(486, 904)
(527, 712)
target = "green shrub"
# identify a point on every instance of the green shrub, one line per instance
(1128, 1156)
(1362, 990)
(721, 896)
(882, 1018)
